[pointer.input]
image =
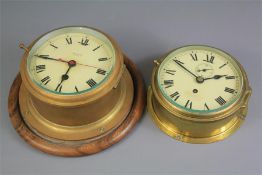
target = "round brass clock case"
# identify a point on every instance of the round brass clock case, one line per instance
(86, 102)
(189, 99)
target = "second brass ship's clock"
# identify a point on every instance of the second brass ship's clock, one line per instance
(199, 94)
(77, 92)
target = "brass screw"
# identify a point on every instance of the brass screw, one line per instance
(101, 130)
(179, 137)
(242, 117)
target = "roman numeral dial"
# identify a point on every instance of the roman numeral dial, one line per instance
(168, 83)
(199, 79)
(40, 68)
(72, 62)
(194, 56)
(91, 82)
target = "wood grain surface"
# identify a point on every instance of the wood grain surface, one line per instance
(79, 148)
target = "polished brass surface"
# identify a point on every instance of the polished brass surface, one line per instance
(77, 117)
(193, 128)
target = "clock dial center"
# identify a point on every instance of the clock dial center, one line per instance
(72, 63)
(200, 79)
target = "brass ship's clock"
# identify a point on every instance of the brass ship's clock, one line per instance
(199, 94)
(77, 92)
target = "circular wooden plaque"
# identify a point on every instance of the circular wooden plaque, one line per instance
(82, 147)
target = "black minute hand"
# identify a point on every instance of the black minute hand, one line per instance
(180, 64)
(46, 57)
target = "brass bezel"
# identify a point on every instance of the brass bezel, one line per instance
(80, 99)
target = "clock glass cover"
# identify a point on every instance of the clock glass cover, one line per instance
(71, 60)
(200, 79)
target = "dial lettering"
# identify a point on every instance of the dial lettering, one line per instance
(76, 89)
(176, 95)
(40, 68)
(84, 42)
(101, 71)
(194, 57)
(69, 40)
(171, 72)
(103, 59)
(209, 59)
(46, 80)
(230, 77)
(229, 90)
(188, 104)
(220, 101)
(168, 83)
(53, 46)
(91, 82)
(206, 107)
(97, 48)
(220, 67)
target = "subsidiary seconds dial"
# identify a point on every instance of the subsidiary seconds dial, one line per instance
(200, 79)
(71, 61)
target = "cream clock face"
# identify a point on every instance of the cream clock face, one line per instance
(71, 60)
(200, 79)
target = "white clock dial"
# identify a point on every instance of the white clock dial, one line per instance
(200, 79)
(71, 60)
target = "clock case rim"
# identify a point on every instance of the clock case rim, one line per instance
(79, 99)
(213, 116)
